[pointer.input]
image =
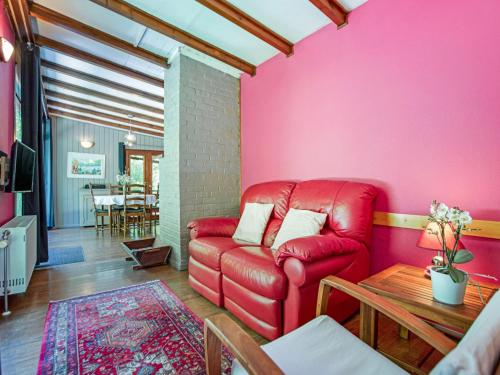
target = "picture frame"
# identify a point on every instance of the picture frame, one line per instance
(85, 165)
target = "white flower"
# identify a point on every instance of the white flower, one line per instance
(454, 215)
(433, 207)
(465, 218)
(442, 212)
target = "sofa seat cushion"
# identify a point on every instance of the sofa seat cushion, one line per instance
(253, 267)
(323, 346)
(209, 250)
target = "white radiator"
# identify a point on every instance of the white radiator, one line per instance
(22, 254)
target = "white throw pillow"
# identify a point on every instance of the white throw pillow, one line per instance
(478, 352)
(299, 223)
(253, 222)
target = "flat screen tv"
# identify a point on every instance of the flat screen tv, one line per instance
(22, 168)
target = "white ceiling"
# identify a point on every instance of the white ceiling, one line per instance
(292, 19)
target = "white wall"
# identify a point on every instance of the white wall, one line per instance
(66, 138)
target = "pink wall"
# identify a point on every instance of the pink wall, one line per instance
(6, 111)
(405, 97)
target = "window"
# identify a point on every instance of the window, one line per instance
(143, 167)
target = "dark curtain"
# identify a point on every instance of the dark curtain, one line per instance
(47, 164)
(33, 135)
(121, 157)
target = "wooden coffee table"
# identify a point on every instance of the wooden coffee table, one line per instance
(407, 286)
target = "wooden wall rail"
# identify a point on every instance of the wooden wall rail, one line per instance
(482, 228)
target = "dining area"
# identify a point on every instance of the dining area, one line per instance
(124, 209)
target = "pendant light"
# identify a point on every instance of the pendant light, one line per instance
(130, 138)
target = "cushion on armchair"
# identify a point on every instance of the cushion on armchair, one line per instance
(479, 350)
(253, 222)
(324, 347)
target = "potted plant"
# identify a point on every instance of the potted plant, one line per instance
(448, 282)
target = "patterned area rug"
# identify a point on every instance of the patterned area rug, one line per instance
(142, 329)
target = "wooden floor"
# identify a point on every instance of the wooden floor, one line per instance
(105, 268)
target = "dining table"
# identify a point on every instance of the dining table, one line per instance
(111, 200)
(119, 199)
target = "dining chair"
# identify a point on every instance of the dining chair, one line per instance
(323, 346)
(153, 211)
(117, 208)
(134, 207)
(100, 212)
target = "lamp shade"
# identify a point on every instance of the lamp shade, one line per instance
(431, 237)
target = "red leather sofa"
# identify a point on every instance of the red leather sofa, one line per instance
(274, 293)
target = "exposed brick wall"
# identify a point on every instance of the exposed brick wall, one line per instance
(201, 169)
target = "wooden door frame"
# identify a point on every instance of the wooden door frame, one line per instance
(148, 163)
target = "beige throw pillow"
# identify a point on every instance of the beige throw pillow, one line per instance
(253, 222)
(299, 223)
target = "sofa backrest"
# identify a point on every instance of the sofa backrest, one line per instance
(275, 192)
(349, 205)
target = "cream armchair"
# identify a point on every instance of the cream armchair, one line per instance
(323, 346)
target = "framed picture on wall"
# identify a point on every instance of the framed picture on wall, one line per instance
(82, 165)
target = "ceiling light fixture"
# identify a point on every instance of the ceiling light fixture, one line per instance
(6, 49)
(130, 138)
(85, 143)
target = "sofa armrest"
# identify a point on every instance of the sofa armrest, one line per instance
(213, 227)
(314, 248)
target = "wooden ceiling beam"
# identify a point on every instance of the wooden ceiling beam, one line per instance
(105, 107)
(74, 116)
(238, 17)
(95, 60)
(138, 15)
(100, 95)
(48, 15)
(100, 81)
(20, 17)
(332, 10)
(124, 121)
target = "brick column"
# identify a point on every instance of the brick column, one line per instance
(200, 173)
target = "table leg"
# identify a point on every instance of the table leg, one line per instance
(368, 325)
(110, 211)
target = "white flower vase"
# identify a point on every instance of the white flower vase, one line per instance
(445, 290)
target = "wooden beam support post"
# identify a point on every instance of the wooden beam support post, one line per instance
(138, 15)
(95, 60)
(48, 15)
(233, 14)
(332, 10)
